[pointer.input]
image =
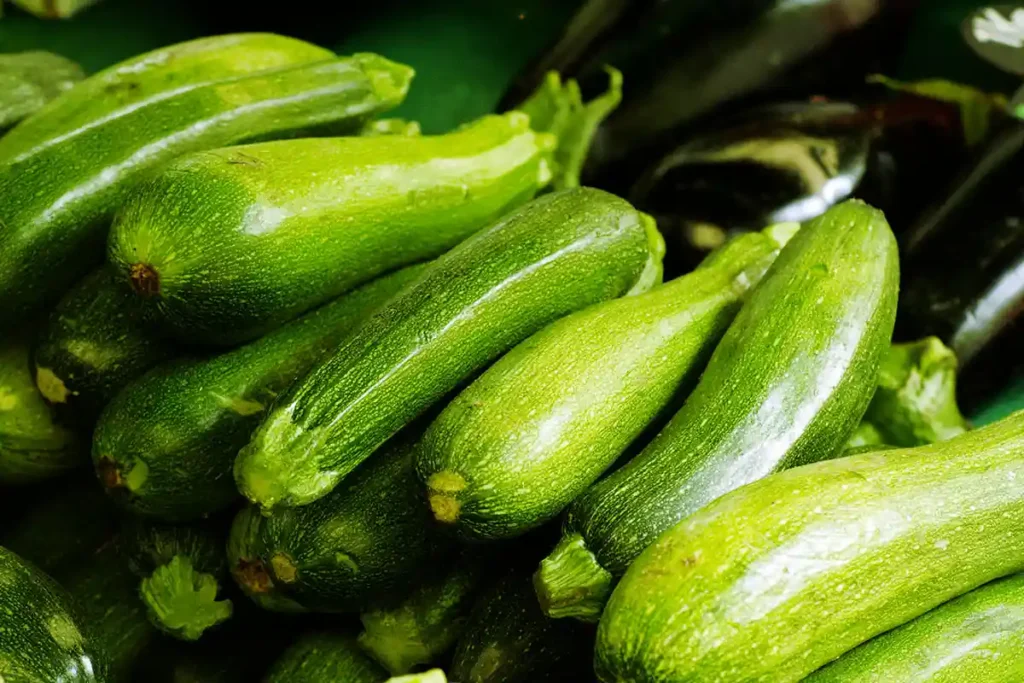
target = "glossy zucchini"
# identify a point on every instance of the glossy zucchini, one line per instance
(555, 255)
(780, 577)
(542, 424)
(28, 80)
(321, 656)
(788, 383)
(65, 170)
(165, 446)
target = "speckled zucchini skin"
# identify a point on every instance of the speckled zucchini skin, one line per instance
(321, 656)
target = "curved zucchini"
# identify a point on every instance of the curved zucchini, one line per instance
(166, 444)
(542, 424)
(65, 170)
(778, 578)
(32, 445)
(91, 346)
(976, 637)
(321, 656)
(789, 381)
(288, 225)
(43, 638)
(425, 624)
(551, 257)
(28, 80)
(367, 539)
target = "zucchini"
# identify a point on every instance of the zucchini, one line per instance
(91, 346)
(778, 578)
(180, 566)
(284, 226)
(65, 170)
(976, 637)
(542, 424)
(555, 255)
(357, 546)
(28, 80)
(33, 446)
(788, 383)
(43, 638)
(320, 656)
(508, 639)
(165, 445)
(421, 627)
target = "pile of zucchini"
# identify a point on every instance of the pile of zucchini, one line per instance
(290, 392)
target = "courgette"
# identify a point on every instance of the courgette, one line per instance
(360, 544)
(43, 639)
(421, 627)
(553, 256)
(542, 424)
(92, 345)
(776, 579)
(33, 446)
(789, 381)
(64, 170)
(508, 639)
(28, 80)
(976, 637)
(321, 656)
(165, 445)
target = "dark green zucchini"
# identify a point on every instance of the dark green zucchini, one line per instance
(320, 656)
(28, 80)
(787, 385)
(33, 446)
(976, 637)
(44, 639)
(542, 424)
(555, 255)
(92, 345)
(66, 169)
(778, 578)
(421, 627)
(166, 444)
(362, 543)
(509, 640)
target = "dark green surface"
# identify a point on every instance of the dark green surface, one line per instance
(322, 656)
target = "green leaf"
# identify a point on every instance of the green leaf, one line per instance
(181, 601)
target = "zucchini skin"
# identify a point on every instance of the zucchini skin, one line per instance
(165, 445)
(28, 80)
(976, 638)
(788, 383)
(549, 417)
(364, 542)
(33, 445)
(321, 656)
(44, 639)
(93, 343)
(65, 170)
(778, 578)
(555, 255)
(284, 226)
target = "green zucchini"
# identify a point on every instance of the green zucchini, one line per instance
(776, 579)
(285, 226)
(93, 344)
(976, 637)
(555, 255)
(431, 676)
(181, 567)
(542, 424)
(65, 170)
(421, 627)
(325, 656)
(165, 445)
(28, 80)
(508, 639)
(789, 381)
(358, 545)
(43, 638)
(33, 446)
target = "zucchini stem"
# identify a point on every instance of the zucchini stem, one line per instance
(181, 601)
(570, 582)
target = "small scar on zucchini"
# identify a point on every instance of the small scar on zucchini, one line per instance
(253, 575)
(145, 280)
(51, 386)
(110, 473)
(443, 488)
(284, 568)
